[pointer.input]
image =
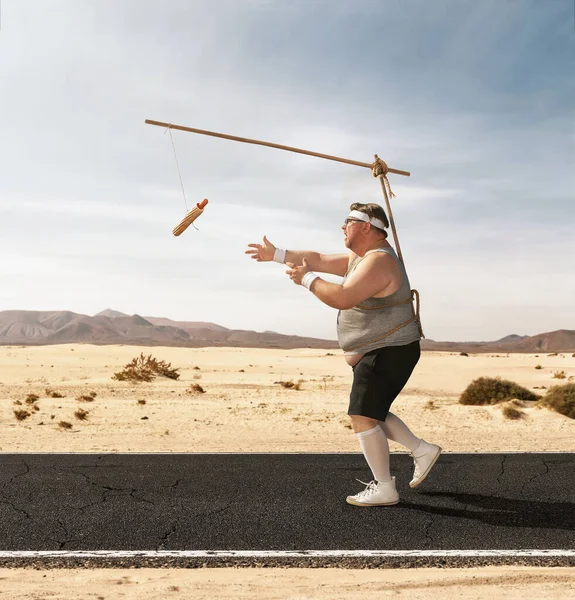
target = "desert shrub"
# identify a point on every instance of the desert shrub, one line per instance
(559, 375)
(85, 398)
(561, 399)
(195, 388)
(64, 425)
(463, 354)
(81, 414)
(290, 385)
(491, 390)
(21, 414)
(53, 394)
(146, 368)
(31, 398)
(510, 412)
(538, 367)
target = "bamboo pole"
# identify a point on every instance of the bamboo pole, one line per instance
(271, 145)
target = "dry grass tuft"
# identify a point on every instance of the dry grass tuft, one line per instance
(559, 375)
(81, 414)
(31, 398)
(290, 385)
(146, 368)
(489, 390)
(85, 398)
(195, 388)
(65, 425)
(538, 367)
(21, 414)
(53, 394)
(510, 412)
(561, 399)
(141, 402)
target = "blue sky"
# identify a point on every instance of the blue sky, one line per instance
(475, 99)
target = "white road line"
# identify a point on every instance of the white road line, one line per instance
(283, 553)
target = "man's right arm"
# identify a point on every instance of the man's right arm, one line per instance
(336, 264)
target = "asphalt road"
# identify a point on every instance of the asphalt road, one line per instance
(263, 503)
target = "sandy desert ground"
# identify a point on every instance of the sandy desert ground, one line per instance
(242, 396)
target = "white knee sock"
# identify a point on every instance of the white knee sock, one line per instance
(375, 448)
(395, 429)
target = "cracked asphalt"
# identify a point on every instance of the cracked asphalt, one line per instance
(281, 502)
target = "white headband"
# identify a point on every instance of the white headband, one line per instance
(356, 214)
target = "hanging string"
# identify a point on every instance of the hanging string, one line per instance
(178, 167)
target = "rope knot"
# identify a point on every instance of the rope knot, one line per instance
(380, 169)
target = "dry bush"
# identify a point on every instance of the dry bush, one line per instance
(491, 390)
(146, 368)
(195, 388)
(538, 367)
(510, 412)
(559, 375)
(290, 385)
(141, 402)
(53, 394)
(463, 354)
(561, 399)
(81, 414)
(21, 414)
(85, 398)
(31, 398)
(65, 425)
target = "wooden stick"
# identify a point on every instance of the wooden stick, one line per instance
(271, 145)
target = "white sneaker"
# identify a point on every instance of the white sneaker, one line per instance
(377, 493)
(424, 458)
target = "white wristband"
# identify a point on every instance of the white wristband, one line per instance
(308, 279)
(279, 255)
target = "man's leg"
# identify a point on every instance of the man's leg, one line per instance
(395, 429)
(424, 454)
(373, 444)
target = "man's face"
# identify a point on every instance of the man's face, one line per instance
(350, 228)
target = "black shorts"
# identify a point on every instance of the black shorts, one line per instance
(379, 377)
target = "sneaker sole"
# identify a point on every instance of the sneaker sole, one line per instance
(414, 484)
(355, 503)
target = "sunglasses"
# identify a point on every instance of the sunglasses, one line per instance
(348, 221)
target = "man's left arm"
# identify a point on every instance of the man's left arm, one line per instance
(370, 277)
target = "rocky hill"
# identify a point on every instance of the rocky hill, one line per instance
(112, 327)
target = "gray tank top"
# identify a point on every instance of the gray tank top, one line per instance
(378, 322)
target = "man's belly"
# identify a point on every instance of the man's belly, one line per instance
(353, 359)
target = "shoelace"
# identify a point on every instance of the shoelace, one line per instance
(370, 489)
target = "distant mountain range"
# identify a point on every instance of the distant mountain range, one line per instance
(35, 328)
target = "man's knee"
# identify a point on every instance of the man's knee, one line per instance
(360, 423)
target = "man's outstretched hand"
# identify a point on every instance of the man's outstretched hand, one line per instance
(296, 273)
(262, 253)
